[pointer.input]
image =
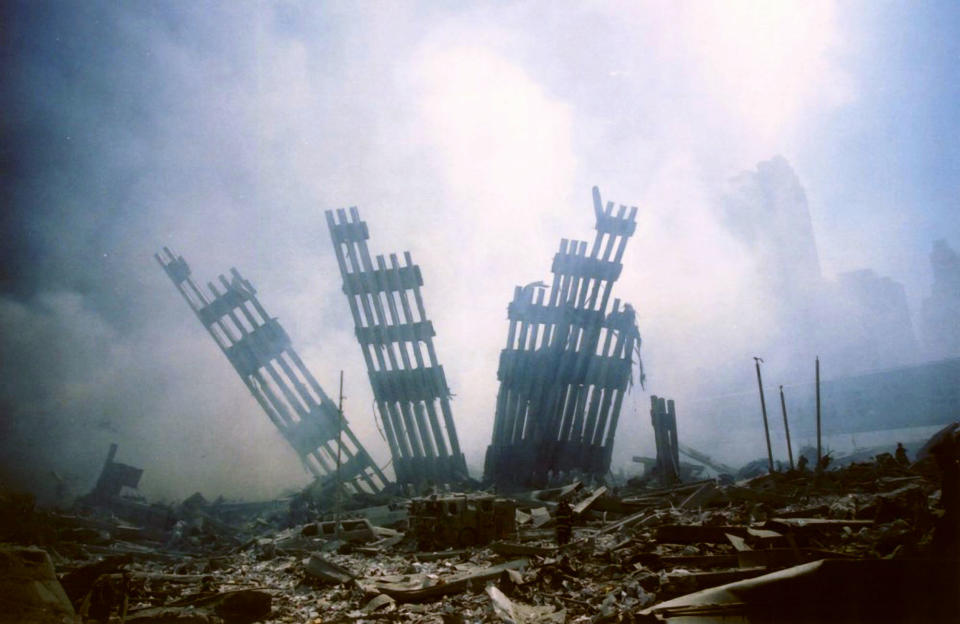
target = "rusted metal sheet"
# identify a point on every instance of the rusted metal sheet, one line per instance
(261, 353)
(409, 386)
(567, 362)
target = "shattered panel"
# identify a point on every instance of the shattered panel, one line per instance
(261, 353)
(567, 362)
(396, 339)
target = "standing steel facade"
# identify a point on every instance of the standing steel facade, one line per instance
(567, 362)
(663, 417)
(396, 339)
(261, 353)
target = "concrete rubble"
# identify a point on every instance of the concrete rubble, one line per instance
(863, 542)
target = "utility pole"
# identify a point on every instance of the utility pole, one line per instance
(763, 408)
(819, 448)
(786, 427)
(339, 450)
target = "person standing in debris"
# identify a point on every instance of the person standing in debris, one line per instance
(564, 517)
(824, 462)
(901, 455)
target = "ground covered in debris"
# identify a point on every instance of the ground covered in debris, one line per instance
(871, 541)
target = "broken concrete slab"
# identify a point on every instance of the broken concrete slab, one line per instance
(352, 530)
(588, 502)
(381, 603)
(322, 569)
(29, 589)
(419, 588)
(541, 517)
(518, 613)
(859, 591)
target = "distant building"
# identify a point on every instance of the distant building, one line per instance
(941, 310)
(767, 211)
(874, 320)
(858, 322)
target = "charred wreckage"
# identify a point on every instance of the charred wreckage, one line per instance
(553, 537)
(567, 364)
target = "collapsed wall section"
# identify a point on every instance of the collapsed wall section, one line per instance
(261, 353)
(567, 362)
(396, 339)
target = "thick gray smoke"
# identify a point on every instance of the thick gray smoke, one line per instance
(470, 137)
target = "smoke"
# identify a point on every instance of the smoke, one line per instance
(469, 136)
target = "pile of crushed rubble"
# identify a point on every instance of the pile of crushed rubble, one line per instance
(871, 541)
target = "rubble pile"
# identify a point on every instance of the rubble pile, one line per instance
(869, 541)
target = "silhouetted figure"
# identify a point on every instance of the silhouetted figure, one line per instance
(824, 462)
(802, 463)
(901, 455)
(564, 517)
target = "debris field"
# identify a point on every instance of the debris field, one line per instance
(865, 542)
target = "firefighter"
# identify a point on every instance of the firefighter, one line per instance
(564, 517)
(901, 455)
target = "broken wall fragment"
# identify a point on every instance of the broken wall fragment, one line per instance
(396, 338)
(567, 362)
(114, 477)
(663, 417)
(262, 354)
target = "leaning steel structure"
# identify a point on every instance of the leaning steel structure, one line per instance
(396, 338)
(261, 352)
(567, 362)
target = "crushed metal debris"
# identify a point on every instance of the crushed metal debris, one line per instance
(866, 542)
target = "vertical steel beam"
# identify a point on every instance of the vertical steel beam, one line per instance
(393, 325)
(561, 389)
(255, 344)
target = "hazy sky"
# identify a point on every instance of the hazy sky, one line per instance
(470, 136)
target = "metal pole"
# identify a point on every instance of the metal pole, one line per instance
(786, 427)
(339, 451)
(819, 448)
(763, 408)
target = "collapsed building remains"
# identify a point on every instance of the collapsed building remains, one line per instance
(460, 520)
(116, 491)
(261, 353)
(115, 476)
(872, 541)
(567, 362)
(391, 321)
(663, 416)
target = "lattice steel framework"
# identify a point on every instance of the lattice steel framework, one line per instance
(396, 339)
(567, 362)
(261, 353)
